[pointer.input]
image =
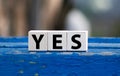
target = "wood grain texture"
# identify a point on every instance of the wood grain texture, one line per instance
(102, 59)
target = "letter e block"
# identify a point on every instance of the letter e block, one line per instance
(57, 41)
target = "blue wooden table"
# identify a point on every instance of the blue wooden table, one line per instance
(102, 59)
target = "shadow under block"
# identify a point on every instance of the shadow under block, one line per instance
(102, 59)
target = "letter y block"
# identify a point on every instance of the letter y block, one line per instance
(37, 41)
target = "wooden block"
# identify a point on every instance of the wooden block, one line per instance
(37, 41)
(77, 41)
(57, 41)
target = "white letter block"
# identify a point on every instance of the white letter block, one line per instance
(83, 40)
(42, 44)
(56, 40)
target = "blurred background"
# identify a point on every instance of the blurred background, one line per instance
(100, 17)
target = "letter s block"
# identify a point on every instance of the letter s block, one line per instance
(37, 41)
(77, 41)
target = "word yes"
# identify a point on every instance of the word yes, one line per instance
(58, 41)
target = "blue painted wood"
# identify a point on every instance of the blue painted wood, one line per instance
(13, 39)
(102, 59)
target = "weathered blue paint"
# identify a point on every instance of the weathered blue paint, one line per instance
(102, 59)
